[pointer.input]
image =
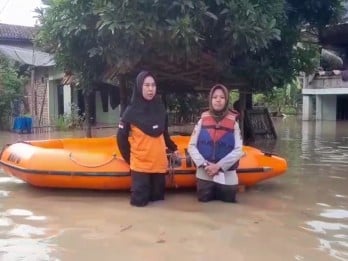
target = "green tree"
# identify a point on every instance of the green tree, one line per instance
(281, 100)
(282, 60)
(69, 31)
(254, 41)
(11, 89)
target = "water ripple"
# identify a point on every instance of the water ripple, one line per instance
(5, 222)
(18, 212)
(10, 180)
(328, 246)
(322, 227)
(26, 231)
(335, 213)
(4, 193)
(26, 250)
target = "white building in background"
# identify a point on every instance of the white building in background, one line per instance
(325, 97)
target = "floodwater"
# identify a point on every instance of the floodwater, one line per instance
(302, 215)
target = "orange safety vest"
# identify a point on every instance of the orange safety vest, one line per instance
(147, 154)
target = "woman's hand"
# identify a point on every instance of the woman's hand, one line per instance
(177, 154)
(212, 169)
(175, 159)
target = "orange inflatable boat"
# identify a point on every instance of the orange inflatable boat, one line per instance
(96, 163)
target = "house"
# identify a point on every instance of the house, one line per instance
(49, 95)
(325, 94)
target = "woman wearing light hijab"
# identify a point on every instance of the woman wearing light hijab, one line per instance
(216, 147)
(143, 139)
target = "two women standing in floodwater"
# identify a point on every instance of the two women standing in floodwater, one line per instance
(215, 145)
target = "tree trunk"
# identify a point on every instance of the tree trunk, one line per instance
(123, 94)
(248, 101)
(242, 102)
(26, 103)
(32, 92)
(245, 100)
(86, 97)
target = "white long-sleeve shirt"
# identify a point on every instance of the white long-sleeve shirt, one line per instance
(225, 163)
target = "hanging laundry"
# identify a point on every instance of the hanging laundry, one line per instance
(114, 92)
(104, 95)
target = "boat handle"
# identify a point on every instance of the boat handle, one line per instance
(92, 166)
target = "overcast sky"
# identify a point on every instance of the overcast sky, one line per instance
(19, 12)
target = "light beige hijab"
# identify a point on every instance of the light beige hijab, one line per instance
(218, 115)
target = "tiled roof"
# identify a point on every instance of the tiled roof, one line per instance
(16, 32)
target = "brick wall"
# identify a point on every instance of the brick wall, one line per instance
(38, 97)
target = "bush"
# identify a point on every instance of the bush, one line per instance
(70, 121)
(11, 88)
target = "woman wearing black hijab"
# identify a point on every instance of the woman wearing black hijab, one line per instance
(142, 138)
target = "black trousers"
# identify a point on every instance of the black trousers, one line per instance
(209, 190)
(146, 187)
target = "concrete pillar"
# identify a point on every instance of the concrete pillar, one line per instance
(67, 99)
(318, 108)
(307, 107)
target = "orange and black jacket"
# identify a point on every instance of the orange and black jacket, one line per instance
(144, 153)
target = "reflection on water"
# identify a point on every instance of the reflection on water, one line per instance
(322, 227)
(7, 180)
(335, 213)
(18, 212)
(21, 240)
(30, 249)
(321, 167)
(307, 206)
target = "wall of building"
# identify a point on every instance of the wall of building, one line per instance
(53, 101)
(329, 107)
(111, 117)
(326, 107)
(307, 107)
(43, 100)
(324, 89)
(38, 96)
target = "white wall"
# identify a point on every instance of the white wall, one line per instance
(55, 74)
(326, 107)
(111, 117)
(318, 107)
(307, 107)
(52, 101)
(67, 99)
(329, 103)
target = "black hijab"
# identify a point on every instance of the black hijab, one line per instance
(149, 116)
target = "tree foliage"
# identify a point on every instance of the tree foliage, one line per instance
(11, 88)
(278, 64)
(285, 100)
(69, 31)
(138, 31)
(253, 40)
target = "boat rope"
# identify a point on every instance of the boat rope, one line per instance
(171, 169)
(174, 161)
(113, 157)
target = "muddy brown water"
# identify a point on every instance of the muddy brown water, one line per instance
(302, 215)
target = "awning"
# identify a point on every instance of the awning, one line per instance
(27, 55)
